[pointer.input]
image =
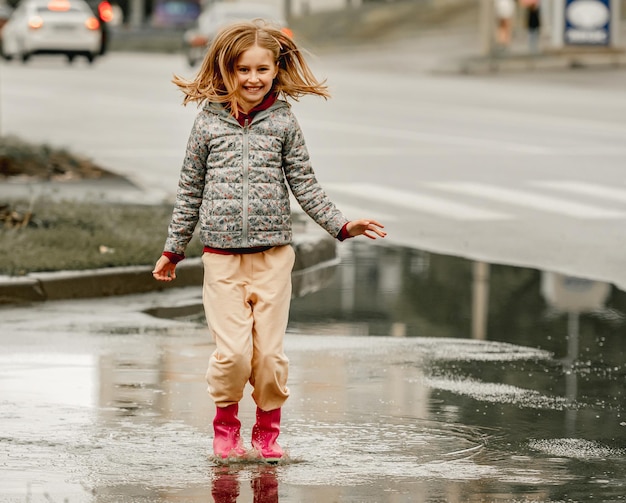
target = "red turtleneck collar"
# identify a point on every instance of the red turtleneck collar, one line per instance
(268, 101)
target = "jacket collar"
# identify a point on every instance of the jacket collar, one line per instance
(268, 101)
(223, 112)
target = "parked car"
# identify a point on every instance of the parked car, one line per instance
(51, 27)
(196, 40)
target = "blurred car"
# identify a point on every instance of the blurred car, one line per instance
(51, 27)
(196, 40)
(104, 11)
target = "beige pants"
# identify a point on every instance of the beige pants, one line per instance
(246, 300)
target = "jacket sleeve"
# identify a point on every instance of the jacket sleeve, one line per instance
(303, 183)
(190, 189)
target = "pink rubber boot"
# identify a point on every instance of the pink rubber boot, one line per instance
(265, 432)
(227, 441)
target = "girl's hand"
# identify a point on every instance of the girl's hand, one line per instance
(369, 228)
(164, 270)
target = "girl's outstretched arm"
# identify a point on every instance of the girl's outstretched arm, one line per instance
(367, 227)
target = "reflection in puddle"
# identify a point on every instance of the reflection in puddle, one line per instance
(568, 334)
(225, 485)
(409, 293)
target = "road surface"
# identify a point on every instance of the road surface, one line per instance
(514, 169)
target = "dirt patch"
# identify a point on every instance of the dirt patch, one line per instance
(27, 162)
(20, 159)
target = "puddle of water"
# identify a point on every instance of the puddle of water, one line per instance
(535, 357)
(413, 377)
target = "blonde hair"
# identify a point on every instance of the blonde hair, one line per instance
(216, 79)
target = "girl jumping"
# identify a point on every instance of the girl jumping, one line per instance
(244, 153)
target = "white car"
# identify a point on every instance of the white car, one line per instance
(196, 40)
(51, 27)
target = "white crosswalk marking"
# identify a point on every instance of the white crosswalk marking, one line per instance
(417, 201)
(528, 200)
(354, 211)
(583, 188)
(428, 137)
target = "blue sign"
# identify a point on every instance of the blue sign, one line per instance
(587, 22)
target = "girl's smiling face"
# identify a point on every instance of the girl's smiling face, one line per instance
(255, 70)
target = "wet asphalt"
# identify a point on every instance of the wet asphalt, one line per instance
(397, 394)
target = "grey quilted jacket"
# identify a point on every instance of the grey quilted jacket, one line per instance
(234, 181)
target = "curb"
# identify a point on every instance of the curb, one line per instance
(564, 59)
(316, 258)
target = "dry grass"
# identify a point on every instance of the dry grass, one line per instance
(63, 235)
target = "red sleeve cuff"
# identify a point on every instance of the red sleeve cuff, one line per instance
(343, 233)
(174, 258)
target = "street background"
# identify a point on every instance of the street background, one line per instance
(430, 369)
(515, 168)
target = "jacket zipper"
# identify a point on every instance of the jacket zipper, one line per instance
(246, 168)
